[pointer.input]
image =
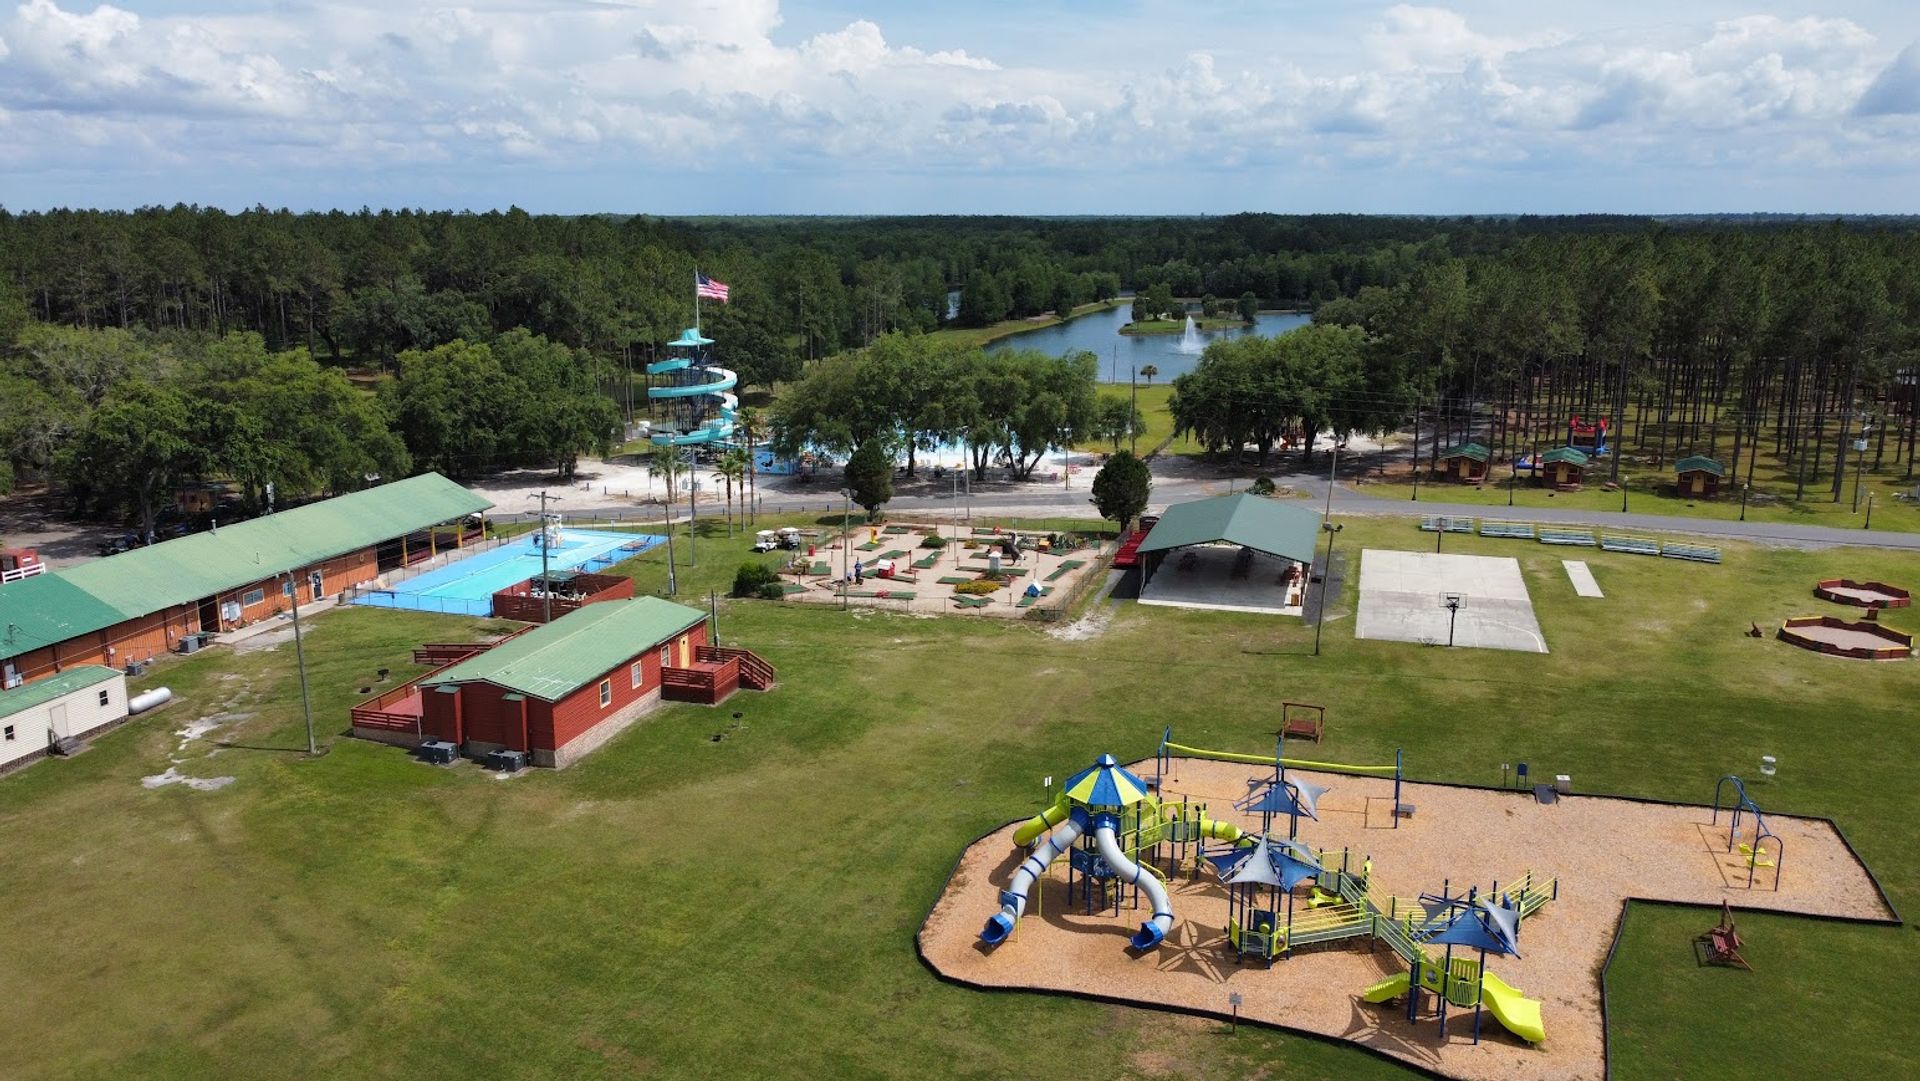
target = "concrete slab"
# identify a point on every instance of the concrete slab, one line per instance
(1203, 577)
(1401, 596)
(1582, 578)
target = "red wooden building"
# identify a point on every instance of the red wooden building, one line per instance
(558, 691)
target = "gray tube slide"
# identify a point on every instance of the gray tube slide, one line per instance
(1155, 929)
(1013, 900)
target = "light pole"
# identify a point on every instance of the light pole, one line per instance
(693, 510)
(1513, 477)
(1623, 495)
(846, 557)
(1066, 460)
(1743, 502)
(1860, 460)
(1326, 574)
(300, 659)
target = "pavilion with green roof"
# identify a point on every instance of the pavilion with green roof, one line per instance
(1239, 552)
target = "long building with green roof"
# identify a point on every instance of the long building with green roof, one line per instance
(140, 603)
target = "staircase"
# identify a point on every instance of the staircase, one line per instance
(755, 673)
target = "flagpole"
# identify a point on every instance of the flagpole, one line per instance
(696, 298)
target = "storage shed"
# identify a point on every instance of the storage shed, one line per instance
(70, 706)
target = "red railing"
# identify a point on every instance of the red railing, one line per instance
(375, 714)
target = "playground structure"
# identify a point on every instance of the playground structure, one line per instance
(695, 393)
(1754, 850)
(1616, 849)
(1862, 594)
(1867, 640)
(1129, 825)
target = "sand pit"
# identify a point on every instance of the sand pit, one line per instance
(1860, 641)
(1601, 850)
(1862, 594)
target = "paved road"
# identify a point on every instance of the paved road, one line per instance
(1176, 483)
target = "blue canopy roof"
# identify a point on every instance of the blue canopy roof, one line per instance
(689, 338)
(1273, 862)
(1105, 784)
(1486, 926)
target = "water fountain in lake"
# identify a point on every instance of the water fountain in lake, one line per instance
(1190, 343)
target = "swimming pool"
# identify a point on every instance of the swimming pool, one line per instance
(467, 586)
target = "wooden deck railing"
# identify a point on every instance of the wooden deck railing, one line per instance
(707, 682)
(755, 673)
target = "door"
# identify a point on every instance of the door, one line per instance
(686, 651)
(1697, 484)
(9, 676)
(317, 585)
(209, 617)
(57, 721)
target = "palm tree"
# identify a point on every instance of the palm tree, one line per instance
(666, 463)
(1149, 371)
(732, 467)
(751, 427)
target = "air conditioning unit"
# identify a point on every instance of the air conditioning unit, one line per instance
(190, 643)
(507, 761)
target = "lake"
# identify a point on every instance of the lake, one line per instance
(1099, 334)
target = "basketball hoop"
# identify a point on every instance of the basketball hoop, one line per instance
(1452, 602)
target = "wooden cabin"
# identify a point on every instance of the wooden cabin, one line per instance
(1698, 477)
(1466, 463)
(1563, 467)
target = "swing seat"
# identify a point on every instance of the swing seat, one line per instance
(1757, 858)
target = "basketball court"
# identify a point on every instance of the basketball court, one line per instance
(1475, 602)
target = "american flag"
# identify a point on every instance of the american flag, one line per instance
(707, 289)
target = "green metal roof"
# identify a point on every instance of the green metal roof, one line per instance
(42, 691)
(1569, 455)
(40, 611)
(554, 660)
(185, 570)
(1476, 451)
(1251, 521)
(1700, 463)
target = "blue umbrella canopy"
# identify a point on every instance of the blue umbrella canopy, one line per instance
(1105, 784)
(689, 339)
(1485, 926)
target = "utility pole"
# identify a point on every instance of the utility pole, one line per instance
(300, 659)
(673, 584)
(1326, 575)
(1860, 459)
(546, 590)
(1133, 439)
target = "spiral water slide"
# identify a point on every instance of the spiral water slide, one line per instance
(693, 375)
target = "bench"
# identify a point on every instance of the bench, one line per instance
(1581, 537)
(1301, 720)
(1640, 546)
(1438, 523)
(1723, 941)
(1697, 553)
(1512, 530)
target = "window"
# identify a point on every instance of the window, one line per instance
(9, 733)
(666, 656)
(105, 698)
(252, 597)
(606, 693)
(286, 588)
(638, 673)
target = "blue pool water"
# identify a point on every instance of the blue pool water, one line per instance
(467, 586)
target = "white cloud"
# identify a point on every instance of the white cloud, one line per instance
(681, 86)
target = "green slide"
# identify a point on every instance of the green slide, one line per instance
(1392, 987)
(1520, 1014)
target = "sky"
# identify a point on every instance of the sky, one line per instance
(984, 106)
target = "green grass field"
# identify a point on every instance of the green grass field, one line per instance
(681, 906)
(977, 336)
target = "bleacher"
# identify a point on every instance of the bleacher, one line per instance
(1513, 530)
(1436, 523)
(1698, 553)
(1620, 542)
(1557, 535)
